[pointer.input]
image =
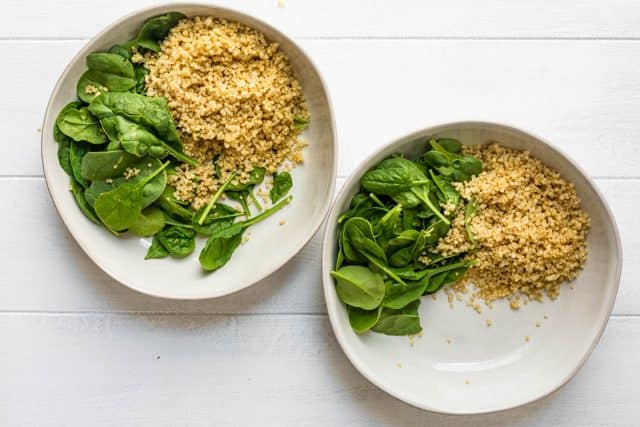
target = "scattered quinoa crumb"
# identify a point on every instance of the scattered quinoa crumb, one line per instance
(546, 317)
(282, 222)
(449, 340)
(109, 181)
(234, 97)
(489, 322)
(538, 324)
(515, 304)
(130, 173)
(245, 238)
(467, 382)
(39, 129)
(399, 365)
(527, 338)
(281, 4)
(434, 297)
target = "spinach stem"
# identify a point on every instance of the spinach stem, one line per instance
(154, 174)
(245, 208)
(376, 200)
(181, 156)
(215, 197)
(282, 203)
(452, 266)
(435, 210)
(390, 273)
(172, 222)
(255, 200)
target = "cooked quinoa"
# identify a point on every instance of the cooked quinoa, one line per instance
(234, 97)
(530, 228)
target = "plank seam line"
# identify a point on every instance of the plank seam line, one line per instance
(620, 316)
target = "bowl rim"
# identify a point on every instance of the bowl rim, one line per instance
(327, 262)
(240, 16)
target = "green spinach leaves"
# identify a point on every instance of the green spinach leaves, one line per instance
(386, 257)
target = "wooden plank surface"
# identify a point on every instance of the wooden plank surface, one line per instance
(79, 349)
(106, 370)
(358, 18)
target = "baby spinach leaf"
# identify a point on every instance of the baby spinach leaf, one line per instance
(77, 151)
(407, 199)
(178, 241)
(300, 123)
(402, 296)
(390, 224)
(399, 322)
(78, 195)
(137, 140)
(282, 183)
(435, 231)
(80, 125)
(424, 193)
(393, 176)
(140, 73)
(64, 155)
(220, 246)
(156, 250)
(121, 50)
(359, 287)
(469, 212)
(363, 320)
(155, 29)
(168, 202)
(405, 238)
(64, 142)
(456, 166)
(451, 145)
(224, 241)
(449, 273)
(240, 197)
(152, 113)
(99, 165)
(108, 72)
(150, 221)
(404, 256)
(256, 176)
(151, 191)
(119, 208)
(448, 191)
(359, 245)
(355, 227)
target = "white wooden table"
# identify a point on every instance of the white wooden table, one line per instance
(78, 349)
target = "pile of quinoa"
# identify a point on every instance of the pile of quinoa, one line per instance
(530, 229)
(234, 98)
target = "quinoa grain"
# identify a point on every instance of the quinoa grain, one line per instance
(530, 228)
(234, 98)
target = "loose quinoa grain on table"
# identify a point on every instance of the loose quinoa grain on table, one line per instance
(234, 97)
(530, 228)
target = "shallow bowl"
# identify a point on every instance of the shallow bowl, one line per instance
(270, 245)
(460, 365)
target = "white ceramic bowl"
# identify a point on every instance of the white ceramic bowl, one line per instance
(270, 245)
(484, 369)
